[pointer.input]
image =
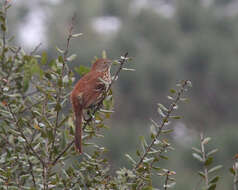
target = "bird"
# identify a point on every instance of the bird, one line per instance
(88, 92)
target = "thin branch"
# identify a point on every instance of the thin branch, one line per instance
(70, 33)
(172, 107)
(58, 98)
(166, 181)
(6, 141)
(35, 49)
(23, 136)
(62, 153)
(4, 11)
(11, 67)
(32, 173)
(122, 61)
(204, 159)
(29, 107)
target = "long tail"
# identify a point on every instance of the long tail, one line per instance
(78, 112)
(78, 130)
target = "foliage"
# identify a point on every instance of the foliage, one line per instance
(37, 133)
(206, 158)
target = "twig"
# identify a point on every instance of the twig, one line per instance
(6, 141)
(29, 107)
(62, 153)
(32, 173)
(35, 49)
(204, 159)
(4, 11)
(11, 67)
(164, 121)
(70, 33)
(166, 180)
(58, 98)
(23, 136)
(122, 62)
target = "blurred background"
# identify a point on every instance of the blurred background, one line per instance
(169, 40)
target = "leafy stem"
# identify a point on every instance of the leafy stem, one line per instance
(58, 96)
(165, 120)
(204, 157)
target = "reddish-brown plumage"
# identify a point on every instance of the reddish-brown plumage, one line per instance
(89, 91)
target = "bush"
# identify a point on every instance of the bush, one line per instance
(37, 130)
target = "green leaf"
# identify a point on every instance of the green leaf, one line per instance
(175, 117)
(172, 91)
(20, 139)
(153, 130)
(82, 70)
(3, 27)
(25, 84)
(166, 131)
(58, 107)
(138, 153)
(212, 152)
(201, 174)
(161, 112)
(35, 68)
(147, 160)
(63, 121)
(214, 179)
(212, 187)
(130, 159)
(60, 82)
(14, 132)
(77, 35)
(170, 97)
(48, 76)
(44, 58)
(206, 140)
(208, 161)
(162, 107)
(63, 139)
(128, 69)
(60, 59)
(59, 50)
(143, 142)
(215, 168)
(198, 157)
(232, 171)
(163, 157)
(71, 57)
(2, 18)
(197, 150)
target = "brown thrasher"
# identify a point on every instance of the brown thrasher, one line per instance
(88, 92)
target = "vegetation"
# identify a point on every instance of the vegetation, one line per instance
(36, 123)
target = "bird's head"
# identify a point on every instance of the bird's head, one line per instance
(101, 65)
